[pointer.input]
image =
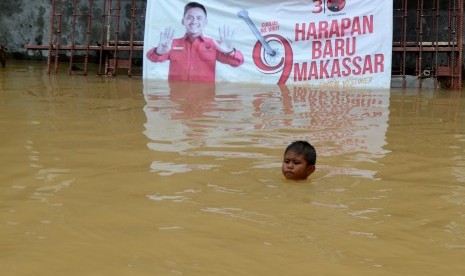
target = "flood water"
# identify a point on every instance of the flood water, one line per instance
(114, 176)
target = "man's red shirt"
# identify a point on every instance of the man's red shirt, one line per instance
(195, 60)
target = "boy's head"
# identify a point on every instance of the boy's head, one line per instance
(299, 160)
(194, 19)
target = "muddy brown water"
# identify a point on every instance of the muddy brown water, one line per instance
(117, 176)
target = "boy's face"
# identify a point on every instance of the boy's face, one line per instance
(295, 166)
(194, 20)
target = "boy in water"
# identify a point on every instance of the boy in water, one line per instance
(299, 160)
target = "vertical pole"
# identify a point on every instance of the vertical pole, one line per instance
(115, 55)
(420, 53)
(417, 39)
(131, 40)
(434, 66)
(50, 35)
(73, 31)
(102, 38)
(404, 42)
(109, 19)
(460, 45)
(60, 15)
(452, 41)
(89, 30)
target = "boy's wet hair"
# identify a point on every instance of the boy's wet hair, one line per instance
(304, 148)
(191, 5)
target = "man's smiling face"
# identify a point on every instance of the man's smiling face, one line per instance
(194, 20)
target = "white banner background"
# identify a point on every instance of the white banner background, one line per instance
(282, 19)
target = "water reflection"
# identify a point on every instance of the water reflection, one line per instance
(76, 177)
(218, 120)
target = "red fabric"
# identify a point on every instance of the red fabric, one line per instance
(194, 60)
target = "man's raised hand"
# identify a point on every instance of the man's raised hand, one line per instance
(225, 43)
(166, 39)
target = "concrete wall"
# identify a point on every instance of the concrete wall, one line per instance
(28, 22)
(23, 22)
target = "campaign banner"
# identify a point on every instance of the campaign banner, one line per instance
(322, 43)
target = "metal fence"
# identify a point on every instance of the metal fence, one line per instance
(427, 38)
(427, 41)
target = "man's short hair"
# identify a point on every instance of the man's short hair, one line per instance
(305, 148)
(191, 5)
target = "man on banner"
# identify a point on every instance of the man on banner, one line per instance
(193, 57)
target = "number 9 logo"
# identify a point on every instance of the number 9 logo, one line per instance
(273, 64)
